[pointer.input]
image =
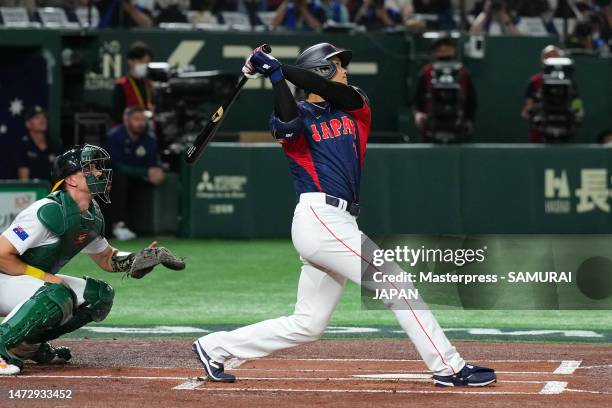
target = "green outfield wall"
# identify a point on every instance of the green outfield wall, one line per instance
(384, 66)
(239, 191)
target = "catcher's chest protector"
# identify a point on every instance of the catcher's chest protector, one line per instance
(75, 230)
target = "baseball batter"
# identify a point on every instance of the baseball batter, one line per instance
(41, 305)
(324, 138)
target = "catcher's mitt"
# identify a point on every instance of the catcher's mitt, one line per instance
(144, 261)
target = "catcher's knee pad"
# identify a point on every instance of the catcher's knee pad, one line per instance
(51, 305)
(99, 297)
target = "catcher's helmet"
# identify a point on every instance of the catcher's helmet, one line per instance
(317, 59)
(89, 159)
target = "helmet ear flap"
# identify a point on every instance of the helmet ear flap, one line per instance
(317, 59)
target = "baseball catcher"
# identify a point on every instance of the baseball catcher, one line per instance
(41, 305)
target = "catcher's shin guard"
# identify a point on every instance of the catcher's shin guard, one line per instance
(98, 297)
(48, 307)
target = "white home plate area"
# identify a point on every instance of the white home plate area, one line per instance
(304, 377)
(384, 376)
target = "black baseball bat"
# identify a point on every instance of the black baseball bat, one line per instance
(209, 131)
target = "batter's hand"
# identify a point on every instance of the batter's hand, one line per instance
(266, 65)
(249, 70)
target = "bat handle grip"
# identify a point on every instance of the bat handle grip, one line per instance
(266, 48)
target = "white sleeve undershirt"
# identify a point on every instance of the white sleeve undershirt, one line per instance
(26, 231)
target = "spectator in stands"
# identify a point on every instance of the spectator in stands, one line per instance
(30, 5)
(203, 12)
(532, 8)
(335, 11)
(605, 22)
(494, 11)
(588, 35)
(295, 14)
(376, 14)
(533, 96)
(35, 154)
(121, 13)
(134, 159)
(171, 11)
(444, 49)
(441, 8)
(133, 89)
(577, 9)
(248, 7)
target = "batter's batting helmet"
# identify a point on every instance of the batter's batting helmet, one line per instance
(317, 59)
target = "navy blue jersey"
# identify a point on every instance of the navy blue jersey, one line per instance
(124, 150)
(38, 161)
(325, 148)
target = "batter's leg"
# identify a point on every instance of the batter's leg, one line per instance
(317, 297)
(340, 242)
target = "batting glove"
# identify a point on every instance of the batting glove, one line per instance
(267, 65)
(249, 70)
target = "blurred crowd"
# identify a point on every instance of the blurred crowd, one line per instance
(590, 28)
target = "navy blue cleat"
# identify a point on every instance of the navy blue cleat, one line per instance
(469, 376)
(214, 370)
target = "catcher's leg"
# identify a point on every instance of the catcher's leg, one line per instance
(45, 353)
(98, 300)
(50, 306)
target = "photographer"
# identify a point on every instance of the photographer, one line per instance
(494, 11)
(535, 99)
(133, 89)
(460, 109)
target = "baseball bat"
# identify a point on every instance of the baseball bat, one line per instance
(209, 131)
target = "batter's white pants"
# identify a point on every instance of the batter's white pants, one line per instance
(16, 290)
(329, 243)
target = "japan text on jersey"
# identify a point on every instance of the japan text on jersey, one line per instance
(326, 149)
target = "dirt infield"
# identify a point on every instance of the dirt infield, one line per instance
(136, 373)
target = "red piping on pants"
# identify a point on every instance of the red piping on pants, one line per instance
(405, 300)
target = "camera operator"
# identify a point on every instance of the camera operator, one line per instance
(133, 89)
(445, 108)
(563, 98)
(494, 11)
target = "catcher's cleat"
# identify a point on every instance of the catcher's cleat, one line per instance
(8, 364)
(42, 353)
(214, 369)
(469, 376)
(8, 369)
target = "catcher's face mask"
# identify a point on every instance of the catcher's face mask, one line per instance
(97, 176)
